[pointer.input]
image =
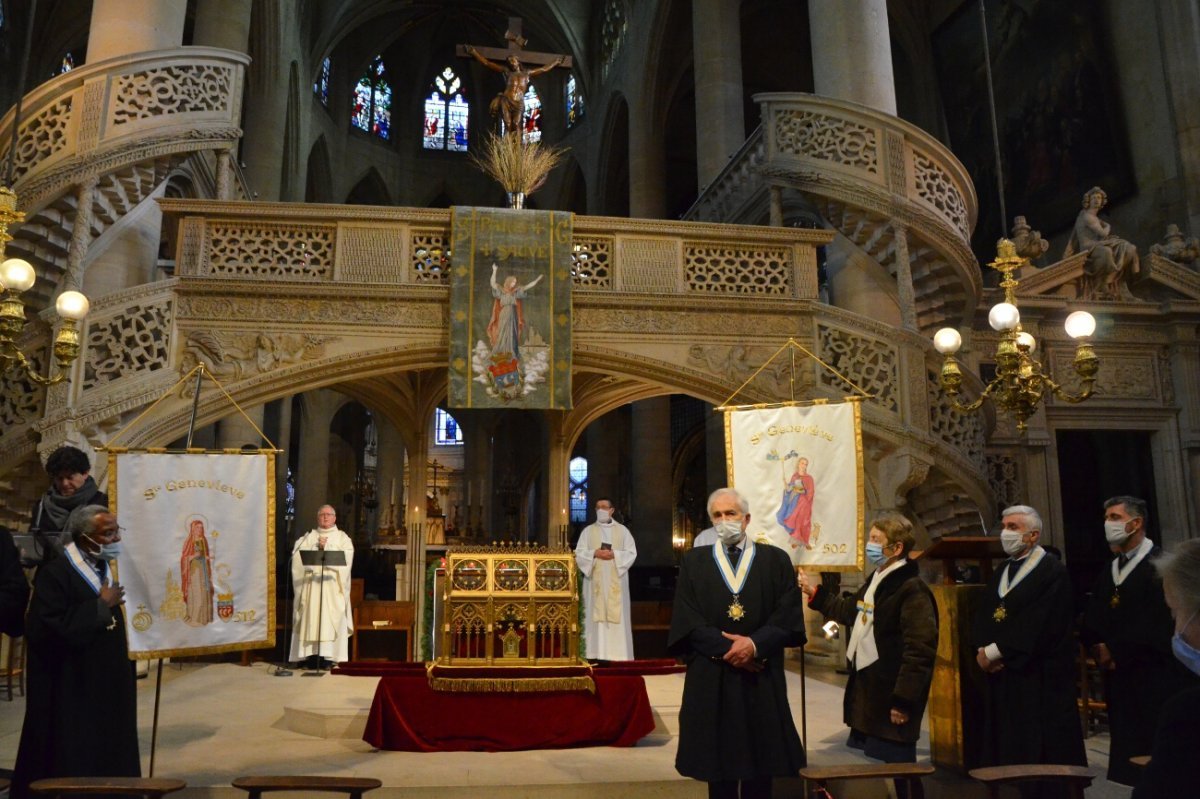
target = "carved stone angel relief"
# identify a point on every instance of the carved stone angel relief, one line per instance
(235, 356)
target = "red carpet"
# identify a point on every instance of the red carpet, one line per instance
(408, 716)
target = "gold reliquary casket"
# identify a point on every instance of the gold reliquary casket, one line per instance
(510, 605)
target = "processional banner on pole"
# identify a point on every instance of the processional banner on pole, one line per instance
(197, 544)
(800, 467)
(510, 309)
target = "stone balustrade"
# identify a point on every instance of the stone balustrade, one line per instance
(271, 296)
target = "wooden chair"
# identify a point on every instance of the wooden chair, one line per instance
(14, 666)
(145, 787)
(909, 774)
(354, 786)
(1075, 778)
(1090, 701)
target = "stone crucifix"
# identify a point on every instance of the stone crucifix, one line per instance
(517, 65)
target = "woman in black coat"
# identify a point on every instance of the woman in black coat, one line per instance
(893, 630)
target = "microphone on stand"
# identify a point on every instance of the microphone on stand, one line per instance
(282, 671)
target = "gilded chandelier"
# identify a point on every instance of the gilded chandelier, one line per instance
(17, 276)
(1021, 381)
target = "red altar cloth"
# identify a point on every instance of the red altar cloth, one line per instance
(408, 716)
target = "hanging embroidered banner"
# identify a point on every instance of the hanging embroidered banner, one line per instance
(510, 309)
(198, 533)
(800, 467)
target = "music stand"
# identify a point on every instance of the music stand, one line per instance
(322, 558)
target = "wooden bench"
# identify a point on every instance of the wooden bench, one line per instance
(909, 774)
(1075, 778)
(146, 787)
(354, 786)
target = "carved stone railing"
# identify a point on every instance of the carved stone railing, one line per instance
(870, 174)
(104, 116)
(278, 298)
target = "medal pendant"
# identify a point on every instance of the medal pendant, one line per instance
(1115, 600)
(999, 614)
(736, 611)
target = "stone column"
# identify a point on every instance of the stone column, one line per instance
(122, 27)
(852, 53)
(223, 23)
(390, 473)
(1179, 38)
(283, 440)
(236, 431)
(716, 42)
(651, 500)
(81, 233)
(603, 452)
(558, 499)
(716, 473)
(312, 481)
(647, 160)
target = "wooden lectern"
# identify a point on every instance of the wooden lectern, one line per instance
(956, 700)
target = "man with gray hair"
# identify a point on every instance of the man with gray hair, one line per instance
(1127, 627)
(737, 606)
(79, 667)
(1022, 636)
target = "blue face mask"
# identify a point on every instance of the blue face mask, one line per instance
(1187, 654)
(875, 554)
(110, 551)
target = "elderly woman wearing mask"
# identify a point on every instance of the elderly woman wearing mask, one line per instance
(893, 641)
(1174, 769)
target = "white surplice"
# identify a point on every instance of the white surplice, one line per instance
(323, 615)
(608, 632)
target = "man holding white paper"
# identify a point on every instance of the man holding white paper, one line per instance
(323, 620)
(604, 554)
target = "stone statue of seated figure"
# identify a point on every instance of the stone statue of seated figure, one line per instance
(1112, 262)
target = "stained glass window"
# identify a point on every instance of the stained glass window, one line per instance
(446, 429)
(373, 101)
(446, 107)
(531, 123)
(612, 33)
(578, 471)
(321, 87)
(574, 101)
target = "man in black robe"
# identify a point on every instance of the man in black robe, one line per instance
(1023, 641)
(81, 708)
(1128, 628)
(14, 590)
(734, 613)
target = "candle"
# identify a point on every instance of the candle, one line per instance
(468, 493)
(392, 497)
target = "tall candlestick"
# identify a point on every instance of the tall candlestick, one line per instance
(392, 497)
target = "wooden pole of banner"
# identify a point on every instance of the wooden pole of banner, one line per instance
(159, 672)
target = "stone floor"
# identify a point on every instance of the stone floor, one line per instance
(220, 721)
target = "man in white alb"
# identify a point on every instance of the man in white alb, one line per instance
(604, 553)
(322, 621)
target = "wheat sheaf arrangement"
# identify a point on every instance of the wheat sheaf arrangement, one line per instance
(518, 167)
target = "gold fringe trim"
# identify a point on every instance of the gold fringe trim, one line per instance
(481, 685)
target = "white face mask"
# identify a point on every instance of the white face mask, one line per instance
(1114, 532)
(729, 532)
(1012, 541)
(603, 515)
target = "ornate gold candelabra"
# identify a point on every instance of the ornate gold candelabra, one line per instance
(1021, 381)
(16, 277)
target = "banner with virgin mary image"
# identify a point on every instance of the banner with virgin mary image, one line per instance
(198, 533)
(800, 467)
(510, 309)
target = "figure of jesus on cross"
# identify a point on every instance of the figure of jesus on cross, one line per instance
(513, 62)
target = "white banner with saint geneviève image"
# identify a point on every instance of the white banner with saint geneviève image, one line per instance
(197, 550)
(800, 468)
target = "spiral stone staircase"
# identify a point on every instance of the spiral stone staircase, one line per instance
(899, 199)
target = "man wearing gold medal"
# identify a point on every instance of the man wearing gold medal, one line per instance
(1128, 627)
(1022, 635)
(737, 607)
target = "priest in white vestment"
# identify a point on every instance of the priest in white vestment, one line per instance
(604, 553)
(322, 617)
